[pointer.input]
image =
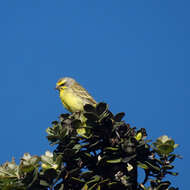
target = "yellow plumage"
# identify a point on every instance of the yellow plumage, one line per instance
(73, 95)
(70, 100)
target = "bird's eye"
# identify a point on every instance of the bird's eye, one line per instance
(62, 84)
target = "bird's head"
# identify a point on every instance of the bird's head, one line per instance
(64, 83)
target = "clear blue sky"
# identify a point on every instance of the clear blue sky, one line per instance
(134, 55)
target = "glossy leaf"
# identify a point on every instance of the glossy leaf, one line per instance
(114, 161)
(118, 117)
(101, 108)
(89, 108)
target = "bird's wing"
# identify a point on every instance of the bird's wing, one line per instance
(78, 89)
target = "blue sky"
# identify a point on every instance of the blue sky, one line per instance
(133, 55)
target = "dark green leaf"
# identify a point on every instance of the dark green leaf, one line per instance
(128, 158)
(59, 186)
(89, 108)
(170, 142)
(76, 124)
(164, 185)
(151, 166)
(111, 148)
(34, 177)
(142, 165)
(118, 117)
(50, 174)
(172, 188)
(173, 173)
(165, 148)
(95, 178)
(93, 187)
(101, 108)
(54, 122)
(172, 158)
(114, 161)
(91, 116)
(78, 180)
(159, 161)
(64, 116)
(44, 183)
(87, 174)
(168, 167)
(94, 144)
(68, 153)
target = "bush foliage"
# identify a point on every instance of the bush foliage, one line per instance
(95, 150)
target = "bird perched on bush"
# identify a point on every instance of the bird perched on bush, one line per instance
(73, 95)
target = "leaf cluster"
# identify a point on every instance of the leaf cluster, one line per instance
(95, 150)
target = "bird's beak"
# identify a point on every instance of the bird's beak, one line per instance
(57, 88)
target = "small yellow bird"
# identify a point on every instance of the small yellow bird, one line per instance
(73, 95)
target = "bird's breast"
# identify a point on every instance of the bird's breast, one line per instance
(71, 101)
